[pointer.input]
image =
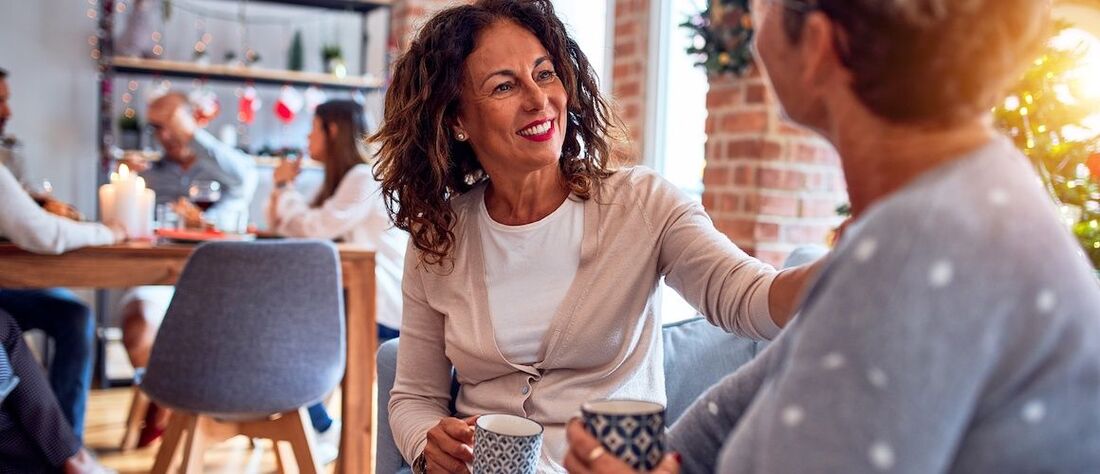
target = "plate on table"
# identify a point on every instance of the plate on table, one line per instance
(195, 236)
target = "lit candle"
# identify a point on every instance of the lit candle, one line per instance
(126, 202)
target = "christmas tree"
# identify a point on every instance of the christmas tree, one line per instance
(1045, 114)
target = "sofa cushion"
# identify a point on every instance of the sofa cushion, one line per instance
(697, 355)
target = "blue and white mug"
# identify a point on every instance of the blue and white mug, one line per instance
(506, 444)
(631, 430)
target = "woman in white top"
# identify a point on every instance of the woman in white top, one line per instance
(348, 207)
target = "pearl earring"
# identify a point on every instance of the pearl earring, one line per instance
(461, 137)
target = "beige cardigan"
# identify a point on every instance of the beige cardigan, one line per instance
(604, 340)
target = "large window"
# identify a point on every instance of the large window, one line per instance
(676, 125)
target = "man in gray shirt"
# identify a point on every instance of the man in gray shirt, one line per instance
(192, 154)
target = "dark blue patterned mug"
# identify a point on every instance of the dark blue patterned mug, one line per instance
(631, 430)
(506, 444)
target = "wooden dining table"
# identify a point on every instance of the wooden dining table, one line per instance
(138, 264)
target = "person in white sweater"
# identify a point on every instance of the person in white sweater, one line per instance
(56, 312)
(348, 207)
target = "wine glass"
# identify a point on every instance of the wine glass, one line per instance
(204, 193)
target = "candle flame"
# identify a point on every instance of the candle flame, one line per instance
(123, 171)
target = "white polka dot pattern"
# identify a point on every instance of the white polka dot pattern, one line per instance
(1046, 301)
(866, 249)
(833, 361)
(882, 456)
(941, 274)
(793, 415)
(998, 197)
(877, 377)
(1034, 411)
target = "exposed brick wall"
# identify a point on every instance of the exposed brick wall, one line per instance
(628, 73)
(407, 16)
(768, 185)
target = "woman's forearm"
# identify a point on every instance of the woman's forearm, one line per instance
(787, 290)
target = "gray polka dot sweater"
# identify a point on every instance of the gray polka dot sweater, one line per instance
(956, 328)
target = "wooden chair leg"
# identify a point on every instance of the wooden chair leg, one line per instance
(283, 456)
(196, 446)
(301, 440)
(139, 406)
(168, 447)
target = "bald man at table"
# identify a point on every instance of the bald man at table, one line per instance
(190, 154)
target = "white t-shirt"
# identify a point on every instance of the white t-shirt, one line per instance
(528, 270)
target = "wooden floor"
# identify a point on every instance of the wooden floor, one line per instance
(106, 418)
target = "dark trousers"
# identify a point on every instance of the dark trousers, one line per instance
(318, 415)
(70, 324)
(34, 434)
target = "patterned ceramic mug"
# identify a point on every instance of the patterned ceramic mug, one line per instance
(631, 430)
(506, 444)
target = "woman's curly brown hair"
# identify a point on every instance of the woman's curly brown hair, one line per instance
(422, 166)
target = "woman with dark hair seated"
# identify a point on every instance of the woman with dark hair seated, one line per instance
(534, 261)
(955, 327)
(348, 207)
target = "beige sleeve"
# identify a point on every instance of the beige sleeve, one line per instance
(422, 389)
(716, 277)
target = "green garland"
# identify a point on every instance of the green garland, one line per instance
(722, 36)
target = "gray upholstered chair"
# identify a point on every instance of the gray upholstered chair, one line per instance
(697, 355)
(254, 334)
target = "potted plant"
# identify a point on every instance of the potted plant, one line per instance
(129, 131)
(333, 59)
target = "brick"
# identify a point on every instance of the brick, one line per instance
(756, 94)
(766, 232)
(744, 175)
(626, 89)
(744, 122)
(803, 234)
(724, 97)
(709, 200)
(738, 230)
(625, 49)
(786, 127)
(818, 207)
(716, 176)
(754, 148)
(782, 206)
(785, 180)
(626, 28)
(626, 69)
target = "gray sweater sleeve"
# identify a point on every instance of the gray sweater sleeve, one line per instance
(702, 430)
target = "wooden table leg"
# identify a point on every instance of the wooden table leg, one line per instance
(357, 445)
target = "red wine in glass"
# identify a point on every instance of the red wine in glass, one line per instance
(204, 193)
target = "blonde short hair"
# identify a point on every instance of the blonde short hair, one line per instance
(931, 61)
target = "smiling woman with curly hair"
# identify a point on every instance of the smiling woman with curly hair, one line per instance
(534, 262)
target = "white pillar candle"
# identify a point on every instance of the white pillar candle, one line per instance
(107, 204)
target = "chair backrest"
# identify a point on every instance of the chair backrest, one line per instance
(254, 328)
